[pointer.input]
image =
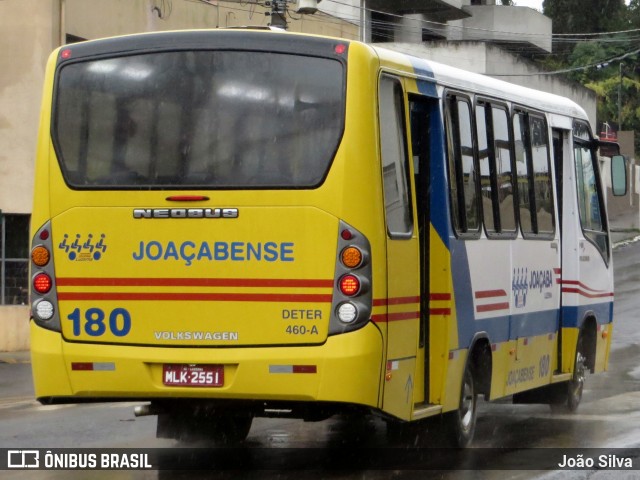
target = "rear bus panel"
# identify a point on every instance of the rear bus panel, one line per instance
(245, 279)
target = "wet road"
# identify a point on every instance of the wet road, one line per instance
(608, 418)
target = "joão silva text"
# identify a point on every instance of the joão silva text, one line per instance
(603, 461)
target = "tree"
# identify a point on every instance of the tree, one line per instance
(595, 60)
(633, 14)
(585, 16)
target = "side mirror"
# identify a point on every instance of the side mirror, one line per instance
(618, 175)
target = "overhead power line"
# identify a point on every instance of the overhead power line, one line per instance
(601, 64)
(513, 41)
(505, 36)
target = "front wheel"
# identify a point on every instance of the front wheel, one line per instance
(460, 425)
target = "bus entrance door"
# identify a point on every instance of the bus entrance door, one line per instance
(403, 272)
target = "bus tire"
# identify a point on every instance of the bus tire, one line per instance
(460, 424)
(570, 401)
(575, 386)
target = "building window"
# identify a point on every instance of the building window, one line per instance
(383, 26)
(14, 259)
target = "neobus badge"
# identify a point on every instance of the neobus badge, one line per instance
(185, 213)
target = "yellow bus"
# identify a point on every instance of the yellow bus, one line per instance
(239, 223)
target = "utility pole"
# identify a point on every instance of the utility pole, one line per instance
(620, 101)
(279, 13)
(363, 20)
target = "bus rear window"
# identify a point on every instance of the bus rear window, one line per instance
(198, 119)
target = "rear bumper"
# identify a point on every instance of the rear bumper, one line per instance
(348, 369)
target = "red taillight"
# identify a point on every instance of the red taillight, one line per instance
(346, 234)
(42, 283)
(349, 285)
(44, 234)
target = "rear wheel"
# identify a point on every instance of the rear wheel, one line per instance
(576, 384)
(569, 401)
(461, 424)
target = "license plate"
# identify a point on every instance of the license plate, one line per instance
(193, 375)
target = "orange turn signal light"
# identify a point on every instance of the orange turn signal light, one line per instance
(40, 256)
(351, 257)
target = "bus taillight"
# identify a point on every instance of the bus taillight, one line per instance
(347, 312)
(40, 256)
(42, 283)
(351, 257)
(352, 298)
(346, 234)
(44, 310)
(349, 285)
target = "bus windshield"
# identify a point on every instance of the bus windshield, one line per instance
(198, 119)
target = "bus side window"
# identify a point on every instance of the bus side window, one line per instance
(534, 175)
(542, 175)
(504, 170)
(523, 167)
(395, 159)
(463, 171)
(590, 203)
(496, 173)
(491, 216)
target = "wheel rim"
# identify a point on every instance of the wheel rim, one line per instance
(577, 383)
(467, 405)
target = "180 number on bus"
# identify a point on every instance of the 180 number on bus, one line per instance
(95, 322)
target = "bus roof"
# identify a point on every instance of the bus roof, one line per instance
(444, 75)
(456, 78)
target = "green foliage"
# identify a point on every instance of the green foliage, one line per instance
(585, 16)
(595, 61)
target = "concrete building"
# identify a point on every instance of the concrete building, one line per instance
(482, 36)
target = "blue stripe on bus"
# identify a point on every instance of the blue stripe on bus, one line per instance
(532, 324)
(573, 316)
(425, 87)
(538, 323)
(463, 292)
(439, 199)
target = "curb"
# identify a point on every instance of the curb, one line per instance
(10, 359)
